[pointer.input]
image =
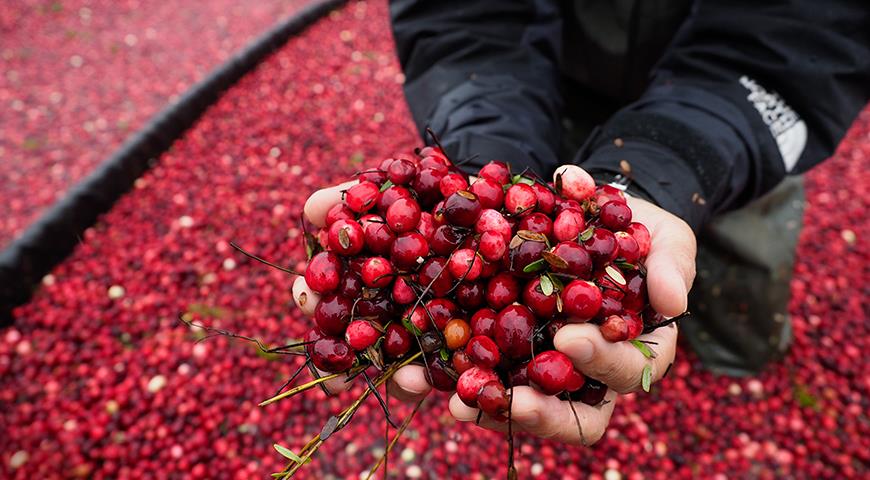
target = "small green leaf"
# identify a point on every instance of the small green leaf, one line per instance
(445, 355)
(586, 234)
(624, 265)
(287, 453)
(535, 266)
(556, 282)
(646, 380)
(386, 185)
(644, 348)
(406, 321)
(546, 285)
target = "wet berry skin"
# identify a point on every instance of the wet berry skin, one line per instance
(483, 352)
(462, 209)
(397, 340)
(514, 328)
(332, 355)
(581, 300)
(471, 382)
(332, 314)
(550, 371)
(323, 272)
(494, 401)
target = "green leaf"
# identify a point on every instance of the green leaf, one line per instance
(386, 185)
(556, 282)
(646, 379)
(644, 348)
(535, 266)
(586, 234)
(287, 453)
(445, 355)
(546, 285)
(406, 321)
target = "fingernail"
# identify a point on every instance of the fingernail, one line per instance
(580, 350)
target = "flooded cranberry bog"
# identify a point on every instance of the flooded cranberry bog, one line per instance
(99, 380)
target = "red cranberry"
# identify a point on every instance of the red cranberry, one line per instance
(578, 260)
(403, 294)
(332, 314)
(520, 199)
(377, 272)
(452, 183)
(618, 328)
(483, 352)
(609, 306)
(378, 177)
(445, 240)
(469, 295)
(544, 306)
(493, 221)
(537, 222)
(350, 285)
(465, 264)
(581, 300)
(492, 246)
(427, 185)
(514, 328)
(568, 225)
(471, 382)
(390, 195)
(546, 198)
(489, 192)
(601, 246)
(379, 237)
(426, 226)
(462, 209)
(323, 272)
(563, 204)
(362, 196)
(435, 153)
(418, 317)
(525, 253)
(607, 193)
(502, 290)
(575, 381)
(346, 237)
(641, 235)
(435, 272)
(397, 340)
(361, 335)
(440, 375)
(403, 215)
(550, 371)
(634, 299)
(615, 215)
(339, 211)
(441, 310)
(380, 307)
(401, 172)
(628, 250)
(409, 250)
(332, 355)
(519, 374)
(493, 400)
(483, 322)
(496, 171)
(461, 362)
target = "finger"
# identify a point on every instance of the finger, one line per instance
(334, 385)
(322, 200)
(671, 260)
(305, 298)
(617, 364)
(409, 383)
(546, 416)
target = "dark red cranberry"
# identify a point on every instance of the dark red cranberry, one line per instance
(346, 237)
(591, 393)
(611, 281)
(362, 196)
(445, 240)
(441, 310)
(452, 183)
(483, 322)
(332, 355)
(609, 306)
(641, 235)
(379, 237)
(651, 317)
(635, 298)
(615, 215)
(436, 164)
(462, 209)
(471, 382)
(350, 285)
(520, 199)
(483, 351)
(361, 334)
(339, 211)
(461, 362)
(514, 328)
(544, 306)
(546, 198)
(469, 295)
(403, 294)
(581, 300)
(489, 192)
(550, 371)
(436, 153)
(465, 264)
(502, 290)
(379, 307)
(568, 225)
(519, 374)
(323, 272)
(525, 253)
(390, 195)
(403, 215)
(497, 171)
(493, 400)
(577, 259)
(377, 272)
(397, 340)
(378, 177)
(312, 336)
(409, 250)
(332, 314)
(440, 375)
(601, 246)
(435, 278)
(427, 186)
(627, 247)
(537, 222)
(401, 172)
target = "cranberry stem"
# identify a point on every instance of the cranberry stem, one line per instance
(666, 322)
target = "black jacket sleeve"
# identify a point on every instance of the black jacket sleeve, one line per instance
(484, 76)
(747, 93)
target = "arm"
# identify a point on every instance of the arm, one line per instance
(746, 95)
(484, 77)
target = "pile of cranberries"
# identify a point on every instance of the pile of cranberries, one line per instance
(478, 274)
